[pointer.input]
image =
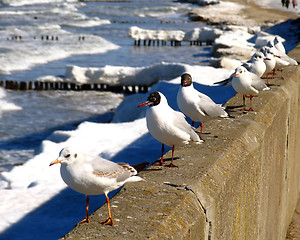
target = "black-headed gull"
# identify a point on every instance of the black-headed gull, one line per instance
(196, 105)
(247, 84)
(167, 125)
(256, 64)
(93, 175)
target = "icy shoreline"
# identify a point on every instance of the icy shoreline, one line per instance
(230, 46)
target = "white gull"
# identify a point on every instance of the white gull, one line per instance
(93, 175)
(167, 125)
(270, 63)
(256, 64)
(196, 105)
(247, 84)
(278, 45)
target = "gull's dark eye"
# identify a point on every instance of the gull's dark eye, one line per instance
(67, 156)
(75, 155)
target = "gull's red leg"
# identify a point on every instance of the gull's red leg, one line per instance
(244, 104)
(282, 73)
(172, 165)
(251, 108)
(268, 78)
(162, 156)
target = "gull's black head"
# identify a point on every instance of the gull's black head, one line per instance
(154, 99)
(186, 80)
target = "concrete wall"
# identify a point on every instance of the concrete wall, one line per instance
(242, 183)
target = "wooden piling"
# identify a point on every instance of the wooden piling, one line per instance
(23, 86)
(56, 86)
(86, 87)
(51, 86)
(73, 87)
(66, 86)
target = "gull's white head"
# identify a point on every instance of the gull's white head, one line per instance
(66, 156)
(239, 71)
(258, 56)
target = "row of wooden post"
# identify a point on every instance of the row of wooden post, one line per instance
(43, 38)
(149, 42)
(14, 85)
(156, 42)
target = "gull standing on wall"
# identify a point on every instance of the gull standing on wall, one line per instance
(196, 105)
(93, 175)
(270, 63)
(256, 64)
(247, 84)
(167, 125)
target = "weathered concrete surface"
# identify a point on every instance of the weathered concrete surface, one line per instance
(242, 183)
(294, 228)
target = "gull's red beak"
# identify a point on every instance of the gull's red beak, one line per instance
(55, 161)
(143, 104)
(235, 74)
(267, 59)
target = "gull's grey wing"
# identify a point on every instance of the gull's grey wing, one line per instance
(209, 107)
(258, 83)
(182, 124)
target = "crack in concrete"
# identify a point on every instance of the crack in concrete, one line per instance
(209, 224)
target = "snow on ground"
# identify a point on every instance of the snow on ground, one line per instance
(202, 34)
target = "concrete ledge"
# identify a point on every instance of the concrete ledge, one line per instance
(242, 183)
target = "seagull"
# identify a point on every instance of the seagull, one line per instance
(196, 105)
(282, 55)
(281, 58)
(93, 175)
(278, 45)
(270, 63)
(256, 64)
(167, 125)
(281, 61)
(248, 84)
